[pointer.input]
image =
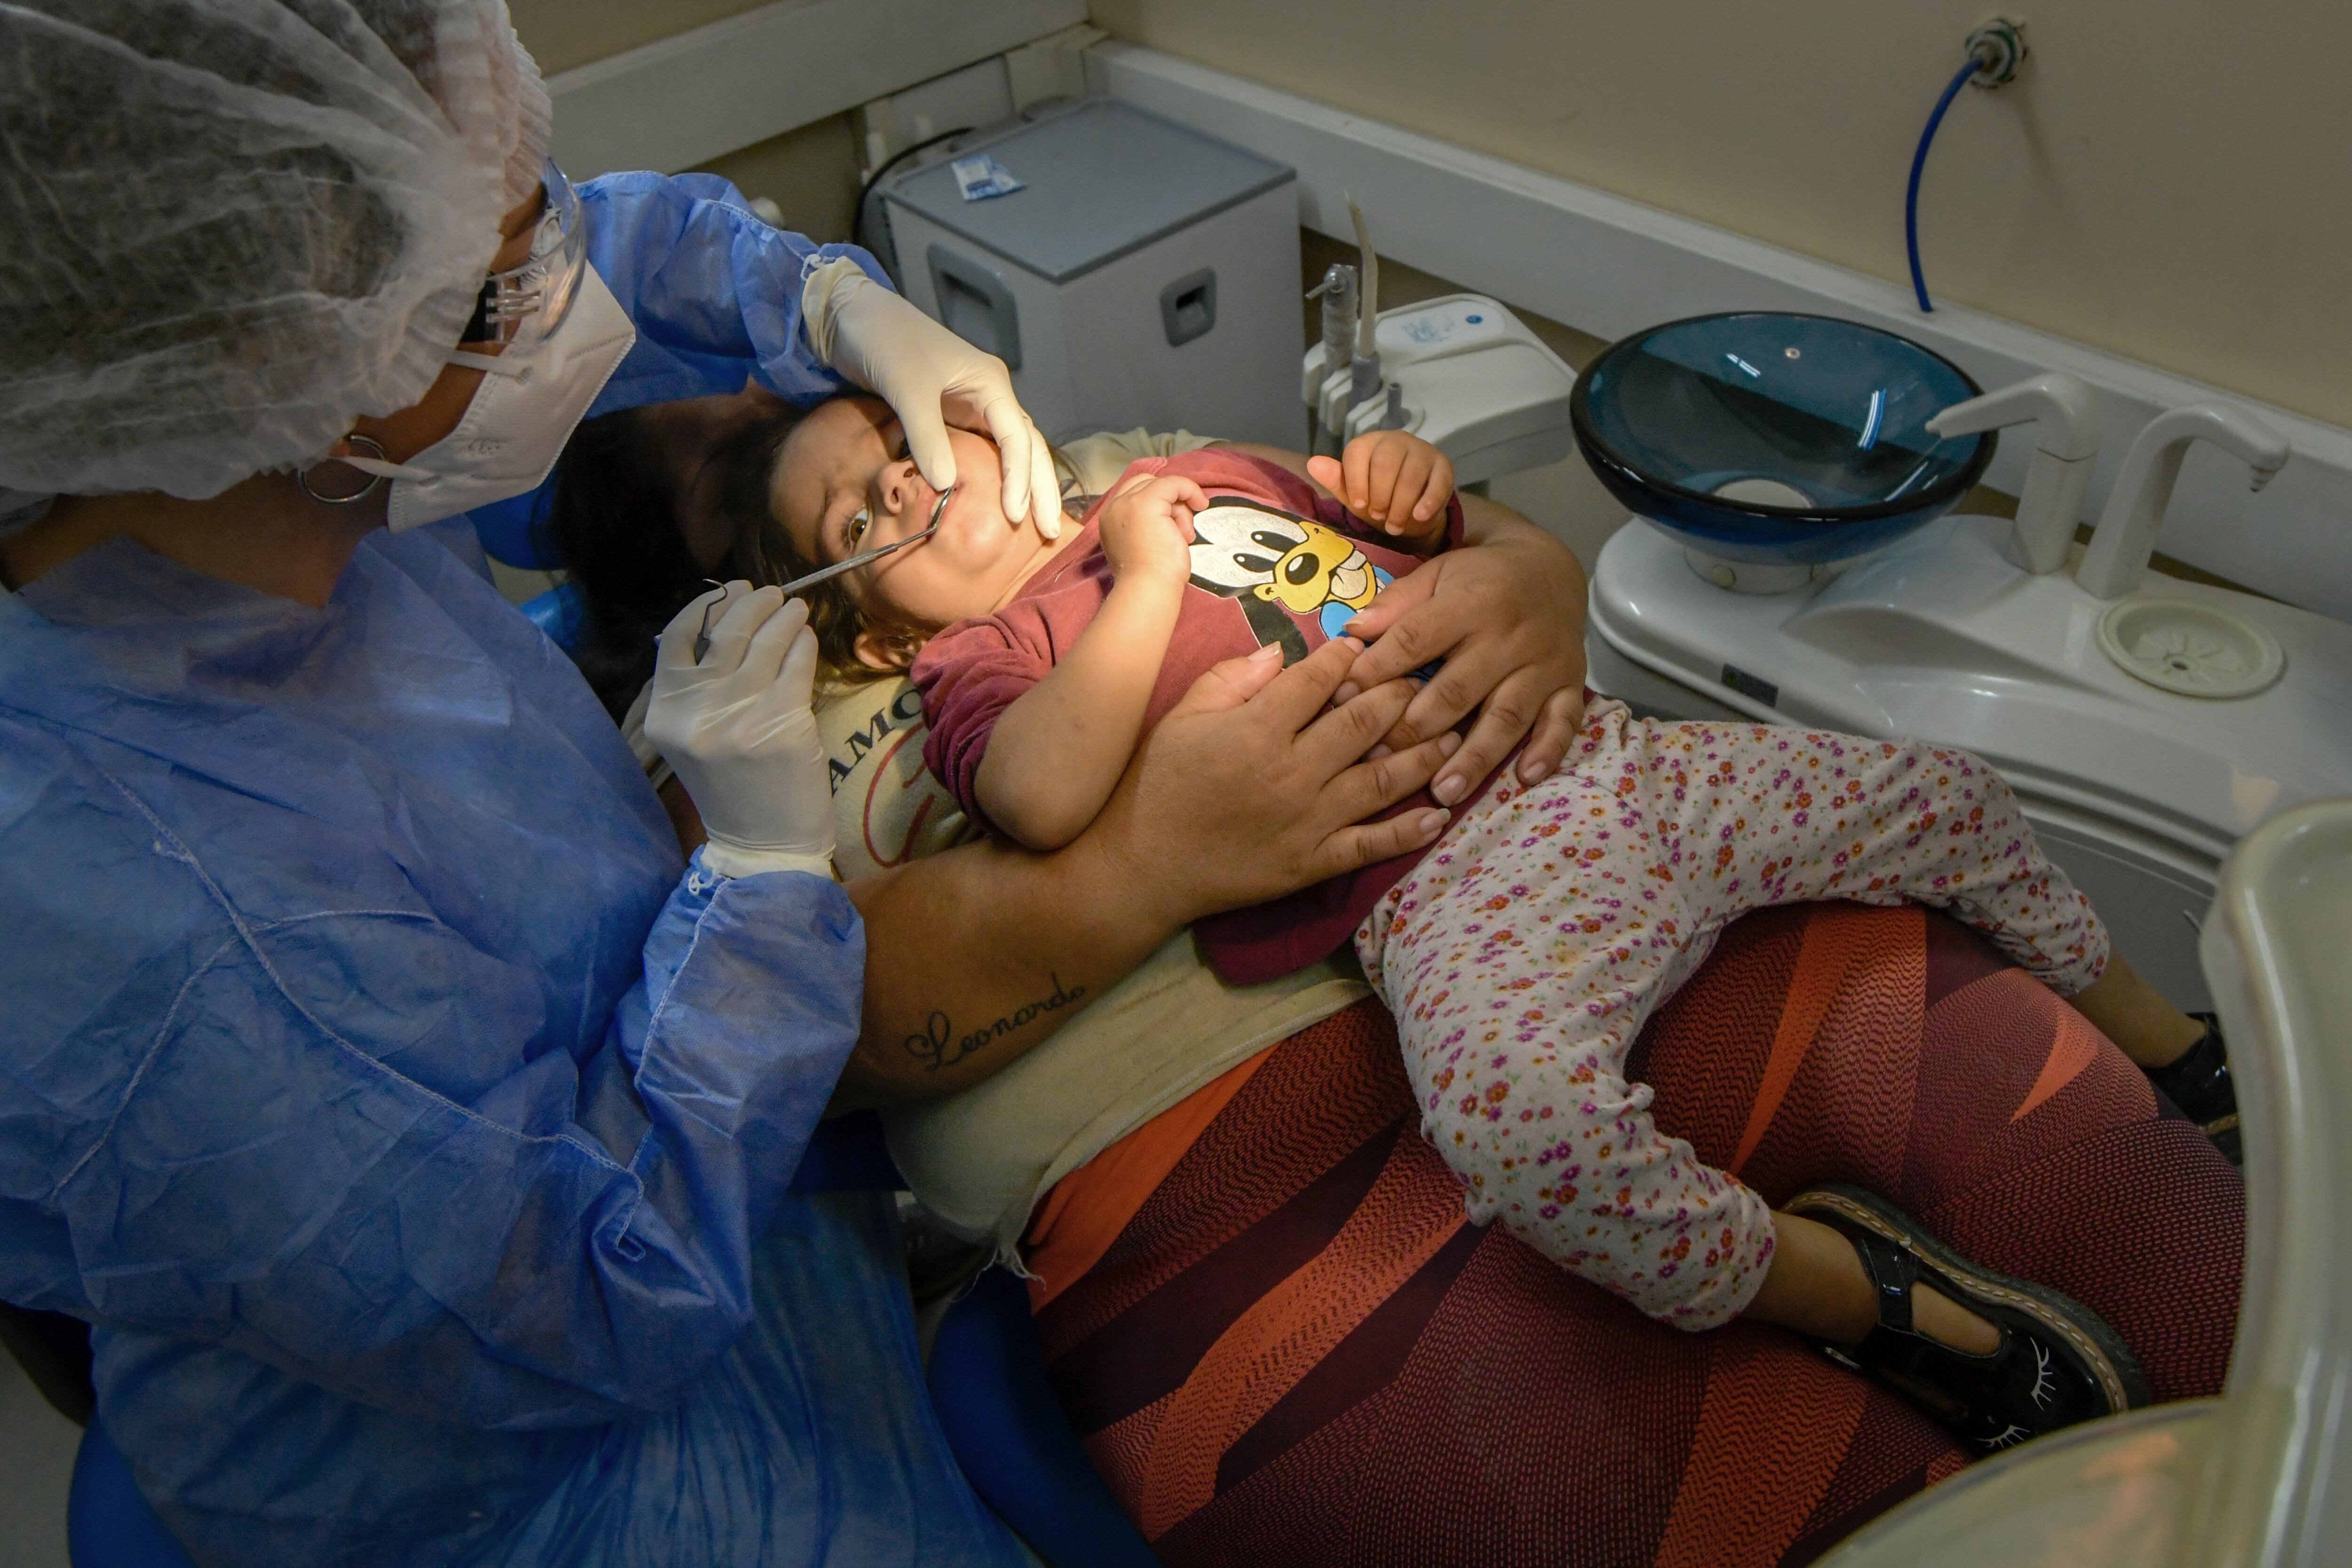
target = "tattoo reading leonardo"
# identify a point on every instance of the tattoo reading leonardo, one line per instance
(939, 1046)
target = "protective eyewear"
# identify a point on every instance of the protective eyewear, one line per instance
(548, 280)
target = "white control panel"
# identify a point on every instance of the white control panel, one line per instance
(1440, 326)
(1470, 379)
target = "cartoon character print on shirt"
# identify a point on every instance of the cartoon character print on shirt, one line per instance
(1271, 562)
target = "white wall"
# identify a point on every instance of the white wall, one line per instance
(2170, 180)
(562, 34)
(809, 172)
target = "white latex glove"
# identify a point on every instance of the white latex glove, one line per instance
(739, 732)
(930, 378)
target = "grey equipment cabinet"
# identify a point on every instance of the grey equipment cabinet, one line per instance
(1148, 275)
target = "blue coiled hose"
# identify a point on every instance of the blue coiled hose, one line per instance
(1918, 162)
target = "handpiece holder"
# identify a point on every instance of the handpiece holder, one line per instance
(1324, 399)
(2116, 562)
(1347, 381)
(2064, 412)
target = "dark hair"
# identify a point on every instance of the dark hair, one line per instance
(614, 522)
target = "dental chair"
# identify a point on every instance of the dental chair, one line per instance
(557, 613)
(2262, 1477)
(987, 1384)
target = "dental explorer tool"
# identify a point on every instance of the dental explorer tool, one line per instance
(838, 567)
(702, 632)
(702, 637)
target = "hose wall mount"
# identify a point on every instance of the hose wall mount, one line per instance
(1994, 51)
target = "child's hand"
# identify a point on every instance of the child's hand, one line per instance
(1398, 481)
(1147, 528)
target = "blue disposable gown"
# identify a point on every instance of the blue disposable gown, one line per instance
(714, 293)
(417, 1136)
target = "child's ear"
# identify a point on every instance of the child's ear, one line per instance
(885, 652)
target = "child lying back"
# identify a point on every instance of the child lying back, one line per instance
(1522, 952)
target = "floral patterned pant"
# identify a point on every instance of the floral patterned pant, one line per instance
(1523, 954)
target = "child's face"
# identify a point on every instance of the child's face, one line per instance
(844, 484)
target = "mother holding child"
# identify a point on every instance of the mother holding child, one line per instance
(1456, 1208)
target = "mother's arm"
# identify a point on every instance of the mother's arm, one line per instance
(1248, 789)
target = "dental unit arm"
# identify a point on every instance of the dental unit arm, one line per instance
(1364, 373)
(1347, 382)
(1458, 370)
(1338, 292)
(2117, 559)
(2064, 413)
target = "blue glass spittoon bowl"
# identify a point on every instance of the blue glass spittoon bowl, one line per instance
(1769, 438)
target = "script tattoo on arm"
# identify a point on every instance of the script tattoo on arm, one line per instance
(939, 1046)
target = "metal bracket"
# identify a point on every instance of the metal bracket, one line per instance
(2000, 45)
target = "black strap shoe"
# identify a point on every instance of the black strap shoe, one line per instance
(2057, 1362)
(2198, 1080)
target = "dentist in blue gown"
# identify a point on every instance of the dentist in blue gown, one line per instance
(414, 1125)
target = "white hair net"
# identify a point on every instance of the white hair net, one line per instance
(232, 227)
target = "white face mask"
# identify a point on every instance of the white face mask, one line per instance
(531, 398)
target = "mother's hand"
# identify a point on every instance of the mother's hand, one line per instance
(1506, 614)
(1253, 786)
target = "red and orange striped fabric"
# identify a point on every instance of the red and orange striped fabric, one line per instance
(1281, 1342)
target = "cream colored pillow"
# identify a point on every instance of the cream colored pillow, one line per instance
(887, 809)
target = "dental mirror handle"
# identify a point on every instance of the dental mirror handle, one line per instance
(826, 573)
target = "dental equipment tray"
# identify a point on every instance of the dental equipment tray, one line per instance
(1103, 179)
(1143, 274)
